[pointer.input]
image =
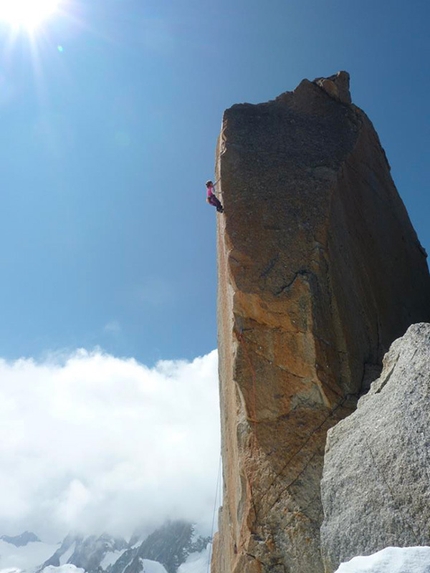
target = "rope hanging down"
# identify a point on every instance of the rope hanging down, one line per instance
(217, 499)
(239, 333)
(253, 418)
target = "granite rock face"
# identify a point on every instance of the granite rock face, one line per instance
(319, 270)
(375, 487)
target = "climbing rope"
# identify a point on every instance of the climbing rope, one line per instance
(252, 417)
(217, 498)
(313, 454)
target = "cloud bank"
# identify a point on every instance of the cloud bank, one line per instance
(97, 443)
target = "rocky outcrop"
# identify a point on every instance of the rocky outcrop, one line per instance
(85, 552)
(375, 487)
(21, 540)
(319, 270)
(170, 545)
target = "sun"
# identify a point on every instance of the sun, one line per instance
(27, 14)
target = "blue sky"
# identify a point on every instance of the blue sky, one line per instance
(105, 236)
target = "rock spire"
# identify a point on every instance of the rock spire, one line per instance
(319, 270)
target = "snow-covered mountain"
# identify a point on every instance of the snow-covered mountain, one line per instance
(87, 553)
(169, 545)
(173, 548)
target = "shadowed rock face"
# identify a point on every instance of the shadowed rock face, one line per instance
(319, 271)
(375, 486)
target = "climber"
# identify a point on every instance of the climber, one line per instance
(211, 197)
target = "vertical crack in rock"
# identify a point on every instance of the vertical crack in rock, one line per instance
(318, 272)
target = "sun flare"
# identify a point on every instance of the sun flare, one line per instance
(27, 14)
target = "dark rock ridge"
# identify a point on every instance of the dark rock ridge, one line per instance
(319, 270)
(20, 540)
(170, 545)
(87, 552)
(375, 486)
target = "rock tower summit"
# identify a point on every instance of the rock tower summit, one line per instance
(319, 270)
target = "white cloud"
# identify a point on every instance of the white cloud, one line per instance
(99, 443)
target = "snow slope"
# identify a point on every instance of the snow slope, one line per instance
(67, 554)
(152, 566)
(68, 568)
(197, 562)
(111, 557)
